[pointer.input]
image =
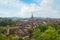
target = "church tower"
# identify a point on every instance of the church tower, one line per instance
(32, 21)
(32, 17)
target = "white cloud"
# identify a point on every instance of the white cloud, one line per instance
(4, 14)
(23, 10)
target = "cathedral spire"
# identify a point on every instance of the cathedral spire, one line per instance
(32, 16)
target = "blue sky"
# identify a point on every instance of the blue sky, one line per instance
(25, 8)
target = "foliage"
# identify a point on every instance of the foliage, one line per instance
(2, 37)
(48, 31)
(13, 37)
(5, 23)
(25, 38)
(50, 34)
(12, 31)
(36, 34)
(2, 30)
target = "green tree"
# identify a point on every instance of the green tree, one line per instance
(12, 30)
(2, 30)
(13, 37)
(36, 35)
(26, 38)
(30, 31)
(50, 34)
(2, 37)
(43, 27)
(5, 23)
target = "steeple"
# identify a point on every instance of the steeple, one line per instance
(32, 21)
(32, 16)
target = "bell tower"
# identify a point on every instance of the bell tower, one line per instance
(32, 21)
(32, 16)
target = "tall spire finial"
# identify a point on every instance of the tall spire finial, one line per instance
(32, 16)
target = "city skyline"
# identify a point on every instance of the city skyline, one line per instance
(25, 8)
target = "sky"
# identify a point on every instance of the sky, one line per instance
(25, 8)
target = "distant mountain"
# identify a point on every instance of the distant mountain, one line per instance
(18, 18)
